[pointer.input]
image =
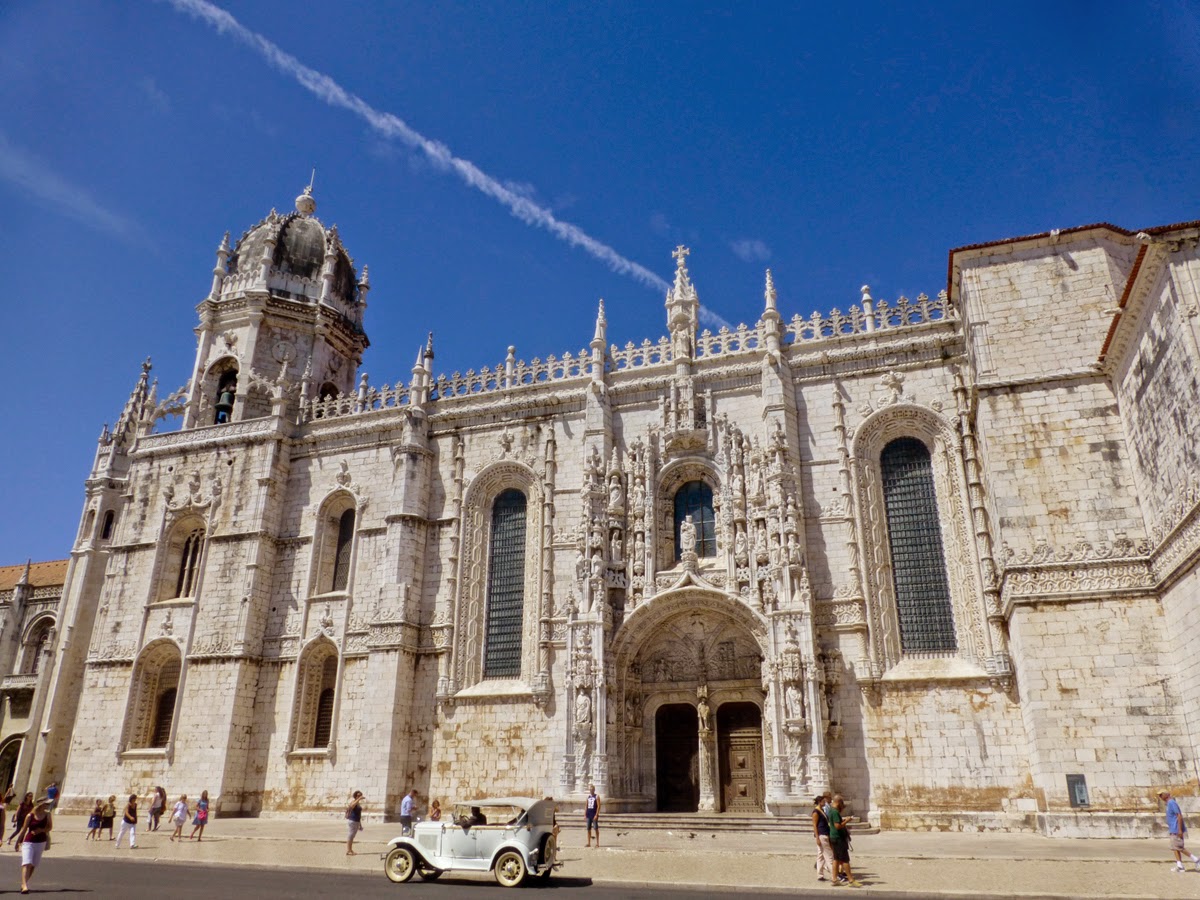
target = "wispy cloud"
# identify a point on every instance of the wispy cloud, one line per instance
(157, 96)
(388, 125)
(750, 250)
(34, 178)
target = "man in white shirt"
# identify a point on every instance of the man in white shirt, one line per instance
(406, 812)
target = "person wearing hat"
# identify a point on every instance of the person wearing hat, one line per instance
(33, 838)
(1178, 831)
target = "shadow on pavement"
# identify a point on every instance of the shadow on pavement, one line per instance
(529, 884)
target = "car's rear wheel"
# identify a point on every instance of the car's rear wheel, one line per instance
(549, 854)
(510, 868)
(400, 865)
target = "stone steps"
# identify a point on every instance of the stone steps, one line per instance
(706, 823)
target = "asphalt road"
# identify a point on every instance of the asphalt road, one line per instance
(132, 879)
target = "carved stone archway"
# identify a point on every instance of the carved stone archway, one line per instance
(692, 645)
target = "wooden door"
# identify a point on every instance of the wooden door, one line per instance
(740, 755)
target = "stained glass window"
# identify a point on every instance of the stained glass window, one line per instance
(506, 587)
(923, 604)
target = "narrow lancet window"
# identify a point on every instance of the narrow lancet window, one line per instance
(923, 605)
(341, 558)
(506, 587)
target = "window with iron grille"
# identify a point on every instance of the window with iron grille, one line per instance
(506, 587)
(923, 604)
(695, 499)
(341, 559)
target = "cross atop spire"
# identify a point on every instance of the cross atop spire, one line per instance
(681, 254)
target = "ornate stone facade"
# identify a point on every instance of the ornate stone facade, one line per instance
(312, 586)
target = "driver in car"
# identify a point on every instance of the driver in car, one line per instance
(475, 818)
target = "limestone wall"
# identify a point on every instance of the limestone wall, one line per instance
(1100, 698)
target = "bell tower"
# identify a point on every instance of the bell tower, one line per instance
(285, 309)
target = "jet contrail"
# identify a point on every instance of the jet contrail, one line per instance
(388, 125)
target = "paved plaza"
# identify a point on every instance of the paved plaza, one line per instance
(925, 864)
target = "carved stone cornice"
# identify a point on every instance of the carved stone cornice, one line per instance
(1078, 580)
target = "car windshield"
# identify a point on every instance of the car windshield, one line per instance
(491, 815)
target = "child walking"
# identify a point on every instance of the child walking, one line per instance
(94, 821)
(179, 817)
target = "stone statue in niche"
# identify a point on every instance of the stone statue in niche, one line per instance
(740, 554)
(581, 564)
(703, 712)
(687, 536)
(793, 701)
(762, 555)
(639, 495)
(639, 555)
(616, 547)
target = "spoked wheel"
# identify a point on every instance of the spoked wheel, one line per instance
(510, 869)
(549, 855)
(400, 865)
(427, 873)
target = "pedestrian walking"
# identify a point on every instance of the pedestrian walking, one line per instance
(839, 841)
(201, 817)
(592, 814)
(158, 802)
(821, 833)
(94, 821)
(179, 817)
(108, 812)
(128, 824)
(1177, 828)
(406, 811)
(353, 821)
(34, 838)
(23, 810)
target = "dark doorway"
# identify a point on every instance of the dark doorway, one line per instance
(740, 753)
(677, 743)
(8, 763)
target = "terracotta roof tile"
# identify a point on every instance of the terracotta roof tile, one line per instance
(41, 574)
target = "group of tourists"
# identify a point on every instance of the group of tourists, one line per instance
(105, 812)
(832, 832)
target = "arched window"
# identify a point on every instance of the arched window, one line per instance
(506, 587)
(695, 499)
(226, 395)
(923, 604)
(341, 556)
(185, 580)
(155, 695)
(316, 690)
(106, 529)
(35, 646)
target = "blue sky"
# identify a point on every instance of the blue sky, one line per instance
(837, 144)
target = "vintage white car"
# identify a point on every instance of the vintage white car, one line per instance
(514, 837)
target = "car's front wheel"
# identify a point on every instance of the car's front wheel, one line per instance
(400, 865)
(510, 868)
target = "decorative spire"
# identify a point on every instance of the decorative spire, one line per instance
(135, 406)
(25, 575)
(221, 269)
(601, 325)
(364, 286)
(770, 296)
(868, 307)
(429, 354)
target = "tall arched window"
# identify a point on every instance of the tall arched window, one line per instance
(155, 693)
(315, 695)
(341, 556)
(506, 587)
(923, 604)
(695, 499)
(106, 529)
(185, 581)
(31, 661)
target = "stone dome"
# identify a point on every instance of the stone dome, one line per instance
(300, 248)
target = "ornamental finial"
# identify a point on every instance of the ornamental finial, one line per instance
(769, 292)
(305, 204)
